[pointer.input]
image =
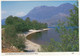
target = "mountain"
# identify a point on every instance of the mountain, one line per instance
(49, 14)
(3, 21)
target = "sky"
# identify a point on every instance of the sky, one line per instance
(21, 8)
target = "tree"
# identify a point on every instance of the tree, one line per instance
(35, 24)
(68, 34)
(28, 20)
(12, 38)
(28, 23)
(9, 20)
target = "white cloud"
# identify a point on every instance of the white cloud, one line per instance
(20, 14)
(3, 12)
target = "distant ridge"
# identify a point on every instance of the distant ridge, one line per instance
(49, 14)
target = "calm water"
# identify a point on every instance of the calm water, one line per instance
(44, 37)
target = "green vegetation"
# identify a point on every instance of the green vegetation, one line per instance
(69, 37)
(24, 25)
(12, 38)
(3, 26)
(15, 25)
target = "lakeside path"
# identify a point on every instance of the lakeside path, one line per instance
(34, 31)
(31, 46)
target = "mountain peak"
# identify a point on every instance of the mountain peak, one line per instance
(65, 4)
(41, 7)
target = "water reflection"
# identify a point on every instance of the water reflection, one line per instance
(35, 36)
(44, 37)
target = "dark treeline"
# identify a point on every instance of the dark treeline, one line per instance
(24, 25)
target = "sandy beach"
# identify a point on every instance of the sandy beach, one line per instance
(34, 31)
(31, 46)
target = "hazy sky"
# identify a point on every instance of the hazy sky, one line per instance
(21, 8)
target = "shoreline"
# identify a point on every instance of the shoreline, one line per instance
(31, 46)
(34, 31)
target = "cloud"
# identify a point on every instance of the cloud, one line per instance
(3, 12)
(20, 14)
